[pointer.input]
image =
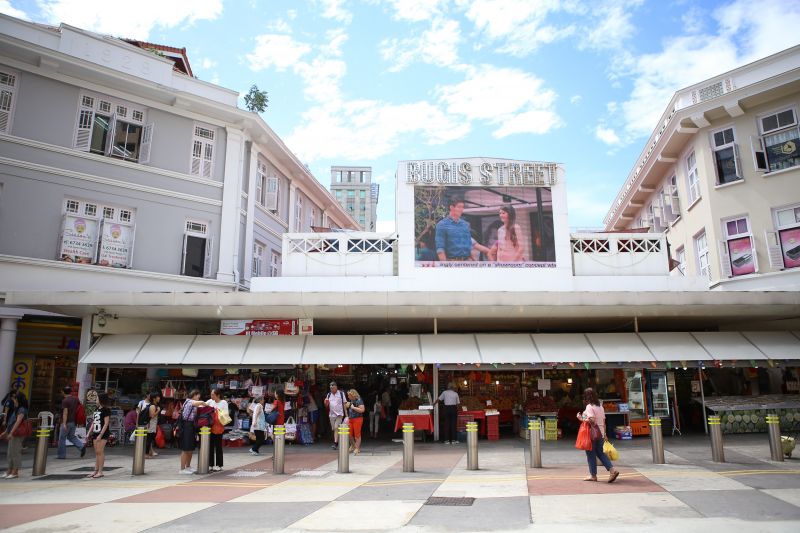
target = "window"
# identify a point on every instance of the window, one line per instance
(258, 254)
(363, 176)
(274, 264)
(338, 176)
(726, 156)
(701, 250)
(351, 193)
(675, 202)
(362, 194)
(737, 251)
(692, 180)
(202, 161)
(8, 89)
(197, 247)
(312, 218)
(784, 245)
(112, 128)
(778, 147)
(96, 234)
(298, 213)
(680, 257)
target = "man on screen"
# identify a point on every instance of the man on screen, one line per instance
(453, 237)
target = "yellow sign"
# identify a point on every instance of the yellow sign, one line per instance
(22, 374)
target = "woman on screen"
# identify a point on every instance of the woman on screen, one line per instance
(508, 248)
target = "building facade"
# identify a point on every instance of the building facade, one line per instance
(121, 171)
(355, 192)
(720, 177)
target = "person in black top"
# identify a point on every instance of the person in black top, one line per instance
(100, 432)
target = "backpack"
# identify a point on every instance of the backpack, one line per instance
(144, 416)
(205, 416)
(80, 415)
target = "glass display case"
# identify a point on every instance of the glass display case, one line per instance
(636, 403)
(659, 394)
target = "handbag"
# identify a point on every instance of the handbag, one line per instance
(24, 429)
(584, 440)
(291, 429)
(610, 451)
(251, 436)
(168, 391)
(224, 417)
(290, 388)
(594, 431)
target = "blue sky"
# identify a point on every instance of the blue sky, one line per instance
(371, 82)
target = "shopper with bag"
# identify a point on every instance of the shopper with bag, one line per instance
(334, 402)
(593, 421)
(258, 425)
(355, 414)
(69, 410)
(17, 430)
(148, 417)
(215, 451)
(187, 436)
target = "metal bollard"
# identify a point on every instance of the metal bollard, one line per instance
(344, 450)
(472, 445)
(140, 437)
(279, 442)
(408, 447)
(657, 440)
(715, 431)
(774, 431)
(40, 459)
(534, 428)
(205, 449)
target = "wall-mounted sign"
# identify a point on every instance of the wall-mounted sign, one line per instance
(790, 244)
(78, 239)
(21, 375)
(741, 256)
(498, 173)
(116, 245)
(258, 327)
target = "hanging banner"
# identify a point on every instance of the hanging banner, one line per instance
(258, 327)
(78, 240)
(116, 244)
(741, 256)
(790, 244)
(21, 375)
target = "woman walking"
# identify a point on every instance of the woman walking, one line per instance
(17, 415)
(188, 435)
(100, 432)
(258, 425)
(215, 451)
(355, 412)
(596, 417)
(152, 422)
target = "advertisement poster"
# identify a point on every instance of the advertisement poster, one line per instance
(783, 154)
(741, 256)
(483, 227)
(21, 375)
(78, 240)
(258, 327)
(790, 245)
(116, 242)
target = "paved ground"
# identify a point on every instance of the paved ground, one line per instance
(748, 493)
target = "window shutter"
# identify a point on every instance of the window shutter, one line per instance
(60, 251)
(183, 254)
(271, 197)
(144, 148)
(724, 260)
(6, 105)
(133, 242)
(83, 133)
(208, 159)
(197, 154)
(112, 130)
(774, 251)
(737, 160)
(755, 255)
(207, 262)
(759, 155)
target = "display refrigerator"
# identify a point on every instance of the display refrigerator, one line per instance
(637, 402)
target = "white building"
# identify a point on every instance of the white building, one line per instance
(354, 190)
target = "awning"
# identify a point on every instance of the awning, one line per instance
(391, 349)
(507, 348)
(217, 350)
(775, 344)
(674, 346)
(333, 349)
(564, 348)
(163, 350)
(114, 350)
(449, 348)
(619, 348)
(728, 345)
(264, 351)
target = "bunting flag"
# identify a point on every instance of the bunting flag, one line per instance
(669, 365)
(586, 366)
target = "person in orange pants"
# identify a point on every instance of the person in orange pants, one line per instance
(355, 412)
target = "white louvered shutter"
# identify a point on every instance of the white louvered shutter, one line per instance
(271, 196)
(83, 133)
(208, 159)
(755, 255)
(6, 104)
(112, 130)
(197, 158)
(147, 142)
(774, 251)
(759, 154)
(207, 261)
(183, 253)
(725, 260)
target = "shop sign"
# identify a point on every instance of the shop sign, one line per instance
(21, 375)
(695, 387)
(258, 327)
(116, 244)
(78, 240)
(543, 384)
(790, 244)
(501, 173)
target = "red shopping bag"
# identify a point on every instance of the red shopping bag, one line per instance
(584, 441)
(160, 440)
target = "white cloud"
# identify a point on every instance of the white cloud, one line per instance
(576, 99)
(587, 205)
(280, 51)
(436, 46)
(7, 9)
(279, 26)
(610, 24)
(121, 19)
(336, 39)
(416, 10)
(514, 100)
(775, 27)
(207, 63)
(606, 135)
(384, 226)
(322, 78)
(334, 10)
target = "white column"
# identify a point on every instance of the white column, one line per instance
(83, 376)
(251, 207)
(292, 201)
(231, 200)
(8, 339)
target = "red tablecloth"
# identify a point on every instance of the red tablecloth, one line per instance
(478, 415)
(424, 422)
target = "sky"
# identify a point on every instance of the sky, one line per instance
(374, 82)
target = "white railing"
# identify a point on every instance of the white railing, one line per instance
(339, 254)
(619, 254)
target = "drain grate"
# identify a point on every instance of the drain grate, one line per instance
(91, 469)
(248, 473)
(60, 477)
(452, 502)
(312, 473)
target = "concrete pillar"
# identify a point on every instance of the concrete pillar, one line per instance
(83, 377)
(8, 340)
(251, 207)
(292, 201)
(231, 202)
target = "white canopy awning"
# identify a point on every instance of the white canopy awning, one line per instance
(674, 346)
(775, 344)
(163, 350)
(391, 349)
(507, 348)
(333, 350)
(274, 350)
(728, 345)
(564, 348)
(114, 350)
(619, 347)
(218, 350)
(449, 348)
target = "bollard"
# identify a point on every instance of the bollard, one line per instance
(203, 456)
(657, 440)
(279, 442)
(408, 447)
(715, 431)
(140, 438)
(534, 428)
(40, 459)
(472, 445)
(344, 450)
(774, 431)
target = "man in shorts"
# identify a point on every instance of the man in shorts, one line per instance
(334, 402)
